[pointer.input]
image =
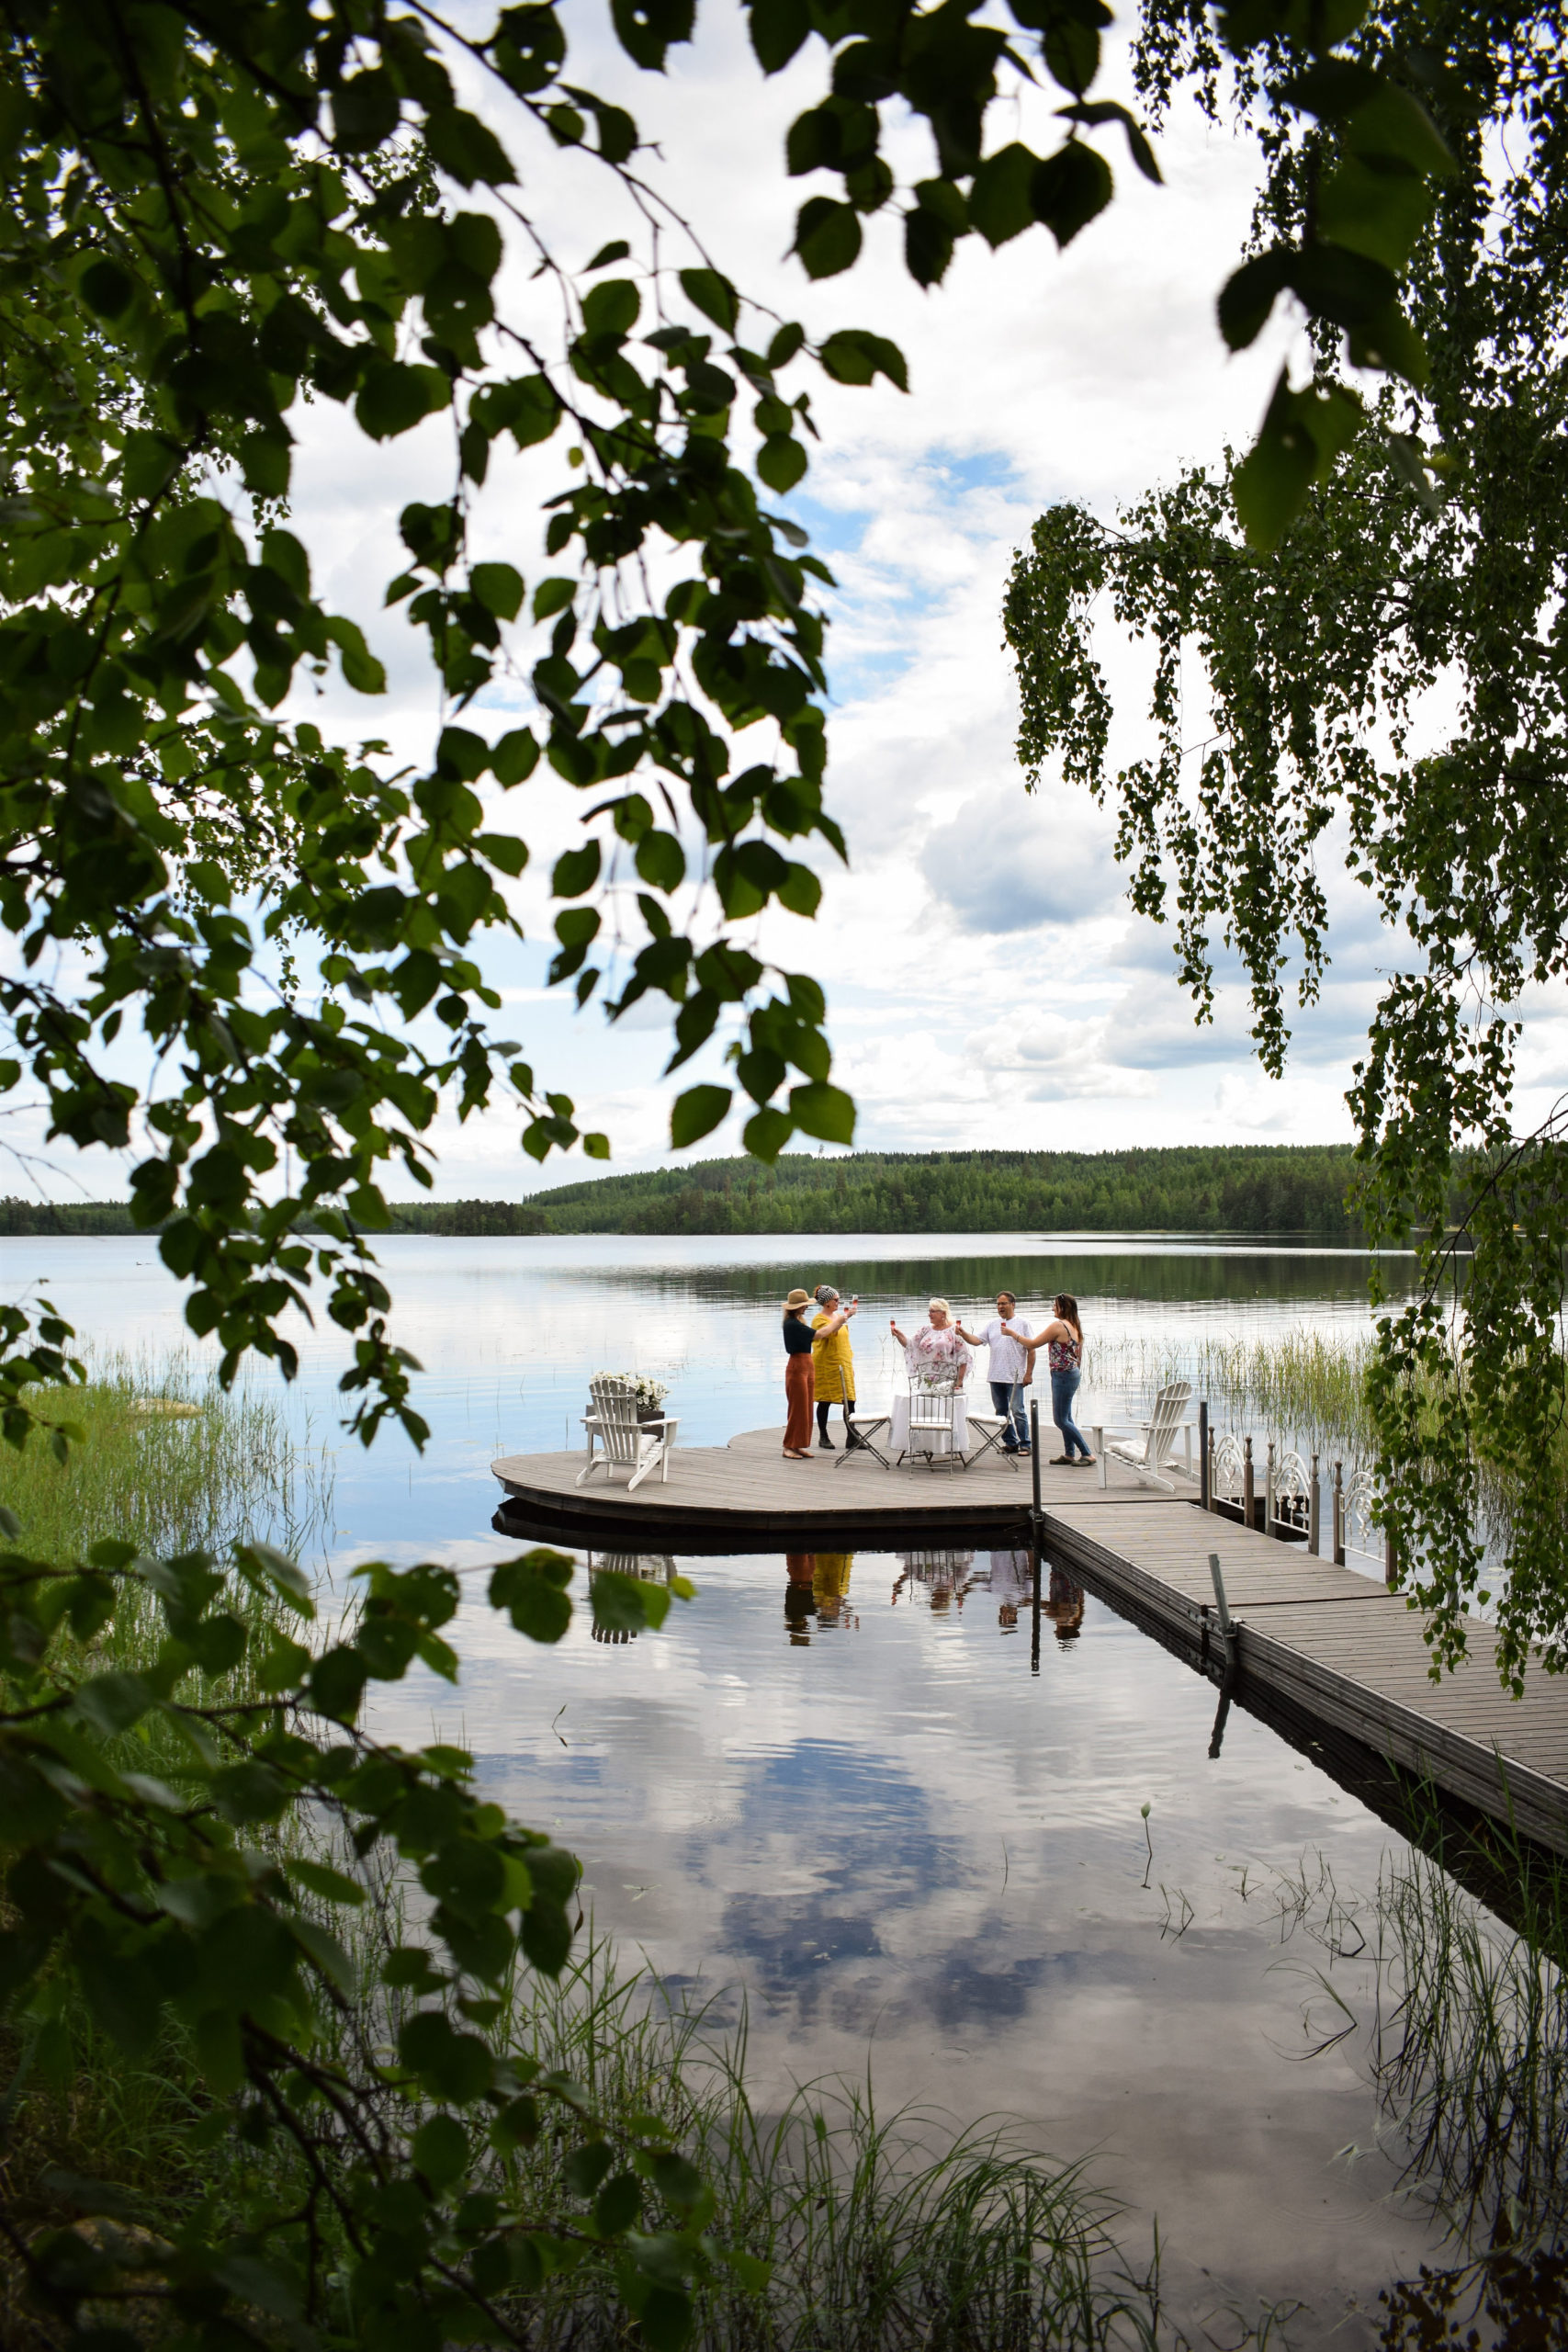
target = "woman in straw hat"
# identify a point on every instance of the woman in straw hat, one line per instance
(800, 1379)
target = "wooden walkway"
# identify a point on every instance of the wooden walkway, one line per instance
(1332, 1644)
(1343, 1650)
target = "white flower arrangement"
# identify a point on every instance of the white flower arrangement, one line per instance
(651, 1393)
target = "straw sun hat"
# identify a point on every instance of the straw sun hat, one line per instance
(797, 1298)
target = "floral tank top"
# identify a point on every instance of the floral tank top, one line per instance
(1066, 1355)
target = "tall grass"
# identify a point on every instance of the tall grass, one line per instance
(1307, 1388)
(880, 2232)
(1466, 2039)
(169, 1463)
(1473, 2062)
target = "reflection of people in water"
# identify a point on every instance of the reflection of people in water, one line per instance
(830, 1583)
(1064, 1605)
(800, 1601)
(1013, 1585)
(947, 1577)
(819, 1586)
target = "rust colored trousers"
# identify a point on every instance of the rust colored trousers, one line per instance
(800, 1396)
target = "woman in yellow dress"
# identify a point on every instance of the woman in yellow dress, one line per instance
(833, 1363)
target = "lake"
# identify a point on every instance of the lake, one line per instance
(833, 1788)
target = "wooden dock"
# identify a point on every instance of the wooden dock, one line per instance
(732, 1497)
(1331, 1645)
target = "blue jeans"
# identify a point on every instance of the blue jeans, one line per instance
(1007, 1398)
(1064, 1388)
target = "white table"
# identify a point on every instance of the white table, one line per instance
(966, 1427)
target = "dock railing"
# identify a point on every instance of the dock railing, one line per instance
(1282, 1496)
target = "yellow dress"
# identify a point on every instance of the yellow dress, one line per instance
(830, 1358)
(831, 1578)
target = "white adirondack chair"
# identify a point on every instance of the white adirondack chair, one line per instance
(932, 1412)
(1148, 1449)
(638, 1446)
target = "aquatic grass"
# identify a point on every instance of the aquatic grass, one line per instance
(1472, 2062)
(171, 1463)
(1306, 1387)
(876, 2232)
(1466, 2041)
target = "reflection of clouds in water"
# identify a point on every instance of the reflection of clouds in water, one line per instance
(906, 1841)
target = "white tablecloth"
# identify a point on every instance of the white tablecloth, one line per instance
(927, 1440)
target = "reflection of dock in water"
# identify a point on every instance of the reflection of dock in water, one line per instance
(646, 1567)
(1330, 1647)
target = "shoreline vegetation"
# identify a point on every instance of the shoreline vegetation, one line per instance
(1267, 1189)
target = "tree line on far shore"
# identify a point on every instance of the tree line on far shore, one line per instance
(1250, 1188)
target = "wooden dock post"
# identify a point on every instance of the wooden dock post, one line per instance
(1248, 1499)
(1338, 1514)
(1269, 1503)
(1036, 1522)
(1315, 1516)
(1205, 1466)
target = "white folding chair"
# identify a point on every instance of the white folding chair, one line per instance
(628, 1444)
(1158, 1435)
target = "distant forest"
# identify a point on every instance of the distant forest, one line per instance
(1222, 1188)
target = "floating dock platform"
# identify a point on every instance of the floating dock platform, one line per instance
(1330, 1643)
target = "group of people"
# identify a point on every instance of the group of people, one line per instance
(820, 1366)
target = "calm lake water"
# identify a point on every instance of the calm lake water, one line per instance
(833, 1786)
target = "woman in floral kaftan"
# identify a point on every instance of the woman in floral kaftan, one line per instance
(936, 1356)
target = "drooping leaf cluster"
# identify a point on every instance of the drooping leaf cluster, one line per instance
(361, 2063)
(1397, 667)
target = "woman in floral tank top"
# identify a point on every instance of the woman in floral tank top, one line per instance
(1064, 1338)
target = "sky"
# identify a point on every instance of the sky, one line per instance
(988, 985)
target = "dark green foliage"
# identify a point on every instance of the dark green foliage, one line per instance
(1287, 1189)
(1433, 567)
(1241, 1188)
(158, 1880)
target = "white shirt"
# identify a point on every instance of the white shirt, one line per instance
(1009, 1361)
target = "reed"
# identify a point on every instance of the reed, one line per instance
(1306, 1387)
(1473, 2062)
(877, 2233)
(1466, 2039)
(170, 1463)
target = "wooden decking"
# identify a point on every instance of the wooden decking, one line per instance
(721, 1497)
(1328, 1644)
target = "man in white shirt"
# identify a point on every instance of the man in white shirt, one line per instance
(1011, 1367)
